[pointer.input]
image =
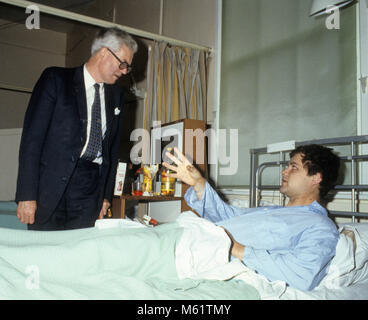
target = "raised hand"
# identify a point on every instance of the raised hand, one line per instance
(185, 171)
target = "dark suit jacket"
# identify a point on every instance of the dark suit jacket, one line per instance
(54, 133)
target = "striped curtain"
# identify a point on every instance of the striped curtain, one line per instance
(176, 84)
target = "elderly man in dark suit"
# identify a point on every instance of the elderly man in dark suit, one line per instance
(71, 135)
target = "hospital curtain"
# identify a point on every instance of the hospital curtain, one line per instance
(176, 84)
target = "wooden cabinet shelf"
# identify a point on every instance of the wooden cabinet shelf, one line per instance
(150, 198)
(119, 202)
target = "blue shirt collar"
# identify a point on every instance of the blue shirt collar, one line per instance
(316, 207)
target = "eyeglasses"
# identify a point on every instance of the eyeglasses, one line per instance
(123, 65)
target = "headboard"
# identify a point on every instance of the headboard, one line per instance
(356, 158)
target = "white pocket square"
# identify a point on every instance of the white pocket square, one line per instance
(117, 111)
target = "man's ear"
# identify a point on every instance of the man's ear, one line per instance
(101, 52)
(317, 178)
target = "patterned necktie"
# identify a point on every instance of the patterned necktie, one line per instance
(94, 147)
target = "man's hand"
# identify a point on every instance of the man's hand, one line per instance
(186, 172)
(105, 205)
(26, 211)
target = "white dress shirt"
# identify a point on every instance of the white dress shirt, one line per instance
(90, 95)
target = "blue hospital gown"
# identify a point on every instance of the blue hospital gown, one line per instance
(293, 244)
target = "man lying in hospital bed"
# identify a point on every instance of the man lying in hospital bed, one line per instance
(294, 243)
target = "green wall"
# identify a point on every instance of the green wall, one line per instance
(285, 76)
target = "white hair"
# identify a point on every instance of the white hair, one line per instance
(113, 38)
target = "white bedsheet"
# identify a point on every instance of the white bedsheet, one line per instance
(203, 250)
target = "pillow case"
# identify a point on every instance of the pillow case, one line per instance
(350, 263)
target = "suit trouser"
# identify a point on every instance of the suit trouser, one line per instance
(80, 204)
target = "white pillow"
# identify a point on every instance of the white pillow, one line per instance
(350, 263)
(360, 230)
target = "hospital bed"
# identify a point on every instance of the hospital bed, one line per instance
(121, 259)
(185, 259)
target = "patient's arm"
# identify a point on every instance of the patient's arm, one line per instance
(186, 172)
(204, 200)
(237, 249)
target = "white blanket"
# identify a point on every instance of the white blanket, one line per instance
(203, 250)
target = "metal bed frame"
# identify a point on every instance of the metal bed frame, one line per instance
(256, 171)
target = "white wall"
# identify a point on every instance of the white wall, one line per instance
(9, 147)
(23, 56)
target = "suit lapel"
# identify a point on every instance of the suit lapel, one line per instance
(80, 95)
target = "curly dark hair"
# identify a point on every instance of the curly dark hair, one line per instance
(320, 159)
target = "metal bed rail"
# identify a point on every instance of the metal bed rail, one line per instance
(256, 171)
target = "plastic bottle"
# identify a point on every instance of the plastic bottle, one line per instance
(167, 183)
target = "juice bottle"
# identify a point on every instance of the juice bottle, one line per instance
(167, 183)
